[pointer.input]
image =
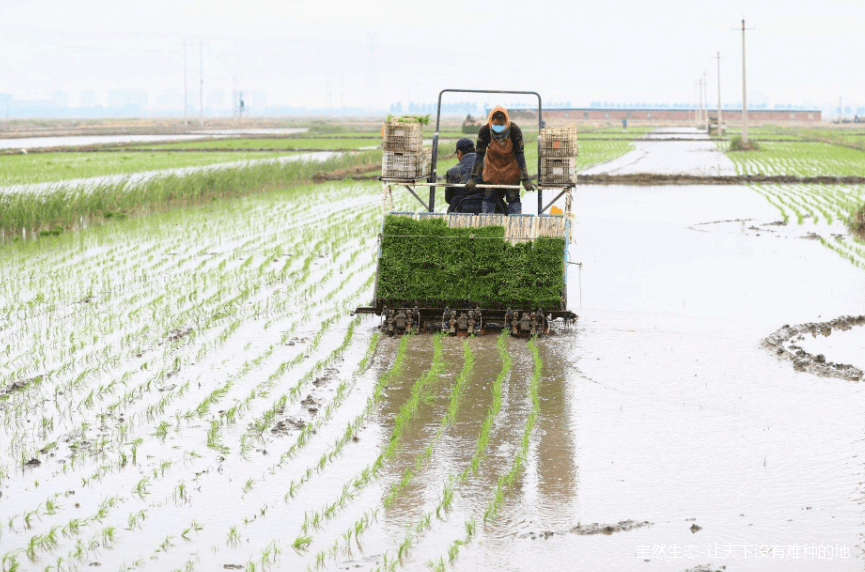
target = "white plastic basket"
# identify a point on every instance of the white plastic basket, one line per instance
(559, 142)
(398, 136)
(406, 165)
(558, 170)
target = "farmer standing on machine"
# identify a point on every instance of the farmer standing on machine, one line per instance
(500, 160)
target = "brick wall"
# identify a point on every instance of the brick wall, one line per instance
(616, 115)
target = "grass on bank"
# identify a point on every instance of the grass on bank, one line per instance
(68, 206)
(50, 167)
(285, 143)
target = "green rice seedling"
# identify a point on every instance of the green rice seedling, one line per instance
(508, 478)
(269, 554)
(454, 550)
(51, 507)
(373, 344)
(233, 536)
(67, 204)
(50, 538)
(166, 543)
(470, 529)
(404, 547)
(72, 527)
(10, 563)
(248, 486)
(80, 551)
(180, 494)
(140, 489)
(32, 545)
(28, 517)
(301, 542)
(108, 536)
(162, 430)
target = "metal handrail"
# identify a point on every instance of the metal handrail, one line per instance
(435, 142)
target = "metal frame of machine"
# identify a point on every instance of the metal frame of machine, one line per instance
(521, 321)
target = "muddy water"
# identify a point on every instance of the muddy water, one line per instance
(695, 154)
(659, 406)
(671, 408)
(662, 406)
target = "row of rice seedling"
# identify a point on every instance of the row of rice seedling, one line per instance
(826, 205)
(79, 376)
(414, 533)
(304, 437)
(72, 205)
(799, 159)
(506, 480)
(63, 166)
(130, 440)
(317, 518)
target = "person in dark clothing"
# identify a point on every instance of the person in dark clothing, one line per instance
(500, 160)
(461, 200)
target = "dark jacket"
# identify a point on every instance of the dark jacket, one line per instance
(458, 174)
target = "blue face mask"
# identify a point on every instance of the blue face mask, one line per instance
(498, 128)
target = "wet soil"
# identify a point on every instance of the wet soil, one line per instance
(589, 529)
(783, 342)
(347, 173)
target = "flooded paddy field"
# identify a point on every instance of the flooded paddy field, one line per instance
(189, 391)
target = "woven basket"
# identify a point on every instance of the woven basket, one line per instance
(406, 165)
(559, 142)
(558, 170)
(397, 136)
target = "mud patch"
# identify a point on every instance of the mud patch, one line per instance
(589, 529)
(19, 385)
(784, 344)
(288, 425)
(706, 568)
(174, 335)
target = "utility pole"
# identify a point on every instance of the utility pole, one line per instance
(744, 92)
(185, 95)
(840, 111)
(706, 100)
(720, 123)
(696, 104)
(201, 80)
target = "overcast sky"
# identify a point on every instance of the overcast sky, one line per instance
(320, 52)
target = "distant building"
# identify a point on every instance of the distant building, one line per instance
(684, 115)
